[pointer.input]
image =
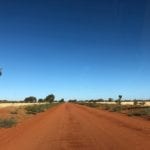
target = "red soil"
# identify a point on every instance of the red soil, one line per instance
(74, 127)
(20, 116)
(5, 112)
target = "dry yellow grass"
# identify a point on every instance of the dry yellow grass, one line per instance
(2, 105)
(124, 103)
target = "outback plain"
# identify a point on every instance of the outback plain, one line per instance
(72, 126)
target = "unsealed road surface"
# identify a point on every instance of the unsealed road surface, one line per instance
(74, 127)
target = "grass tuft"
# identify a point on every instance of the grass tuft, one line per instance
(139, 112)
(34, 109)
(130, 110)
(7, 123)
(14, 112)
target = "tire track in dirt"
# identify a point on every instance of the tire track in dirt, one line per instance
(117, 131)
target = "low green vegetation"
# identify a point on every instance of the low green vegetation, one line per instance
(139, 112)
(110, 107)
(130, 110)
(7, 123)
(34, 109)
(35, 106)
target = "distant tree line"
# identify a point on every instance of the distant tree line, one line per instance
(31, 99)
(117, 101)
(49, 99)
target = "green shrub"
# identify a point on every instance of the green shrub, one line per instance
(34, 109)
(135, 102)
(139, 112)
(106, 106)
(116, 108)
(82, 103)
(92, 104)
(7, 123)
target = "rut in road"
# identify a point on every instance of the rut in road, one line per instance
(74, 127)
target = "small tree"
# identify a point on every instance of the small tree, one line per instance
(30, 99)
(61, 101)
(119, 99)
(40, 100)
(135, 102)
(50, 98)
(72, 101)
(110, 99)
(100, 100)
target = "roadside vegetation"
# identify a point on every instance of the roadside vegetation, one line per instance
(130, 110)
(7, 123)
(138, 107)
(34, 109)
(17, 111)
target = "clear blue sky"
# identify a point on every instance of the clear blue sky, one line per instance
(80, 49)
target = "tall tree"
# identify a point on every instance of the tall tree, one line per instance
(40, 100)
(61, 101)
(50, 98)
(30, 99)
(119, 99)
(110, 99)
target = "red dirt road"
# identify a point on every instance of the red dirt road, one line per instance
(74, 127)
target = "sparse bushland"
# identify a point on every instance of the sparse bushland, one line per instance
(139, 112)
(34, 109)
(7, 123)
(130, 110)
(110, 107)
(91, 104)
(14, 115)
